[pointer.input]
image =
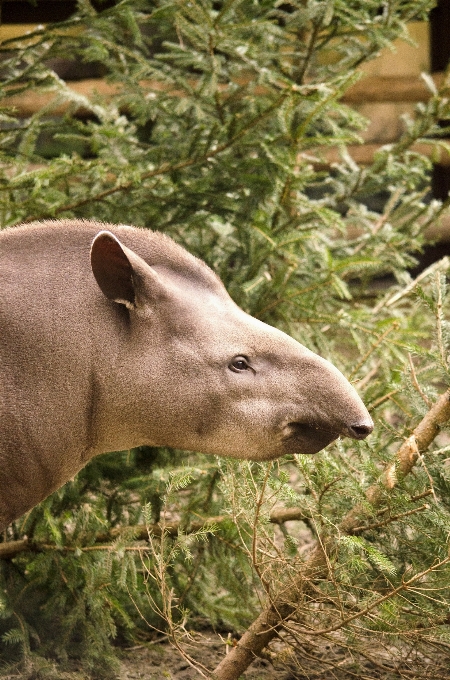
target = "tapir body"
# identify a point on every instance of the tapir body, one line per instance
(113, 337)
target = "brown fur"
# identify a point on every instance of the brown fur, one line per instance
(136, 349)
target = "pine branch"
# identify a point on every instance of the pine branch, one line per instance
(266, 626)
(165, 168)
(140, 532)
(404, 585)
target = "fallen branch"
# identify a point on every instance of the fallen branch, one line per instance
(265, 627)
(12, 548)
(140, 532)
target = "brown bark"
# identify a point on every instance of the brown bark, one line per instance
(265, 627)
(281, 515)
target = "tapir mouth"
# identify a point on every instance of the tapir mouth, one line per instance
(305, 438)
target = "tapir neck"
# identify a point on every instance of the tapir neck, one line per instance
(126, 415)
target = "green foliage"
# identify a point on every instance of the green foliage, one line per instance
(218, 135)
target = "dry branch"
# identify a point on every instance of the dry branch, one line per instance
(137, 532)
(265, 627)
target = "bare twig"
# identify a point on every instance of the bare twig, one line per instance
(390, 519)
(382, 219)
(373, 347)
(259, 503)
(382, 399)
(441, 265)
(416, 382)
(439, 319)
(404, 585)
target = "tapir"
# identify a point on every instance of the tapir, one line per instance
(113, 337)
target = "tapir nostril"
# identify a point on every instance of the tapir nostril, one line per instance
(360, 431)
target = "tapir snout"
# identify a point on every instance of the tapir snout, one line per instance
(337, 411)
(114, 337)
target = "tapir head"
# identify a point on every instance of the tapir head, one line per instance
(207, 376)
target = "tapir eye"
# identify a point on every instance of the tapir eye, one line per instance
(239, 364)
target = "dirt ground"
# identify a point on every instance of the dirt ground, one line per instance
(158, 660)
(161, 661)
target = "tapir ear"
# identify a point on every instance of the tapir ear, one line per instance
(119, 272)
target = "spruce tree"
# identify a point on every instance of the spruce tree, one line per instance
(218, 133)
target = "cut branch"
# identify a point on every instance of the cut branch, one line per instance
(138, 532)
(265, 627)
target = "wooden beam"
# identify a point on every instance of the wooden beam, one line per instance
(437, 232)
(392, 89)
(363, 154)
(30, 102)
(370, 89)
